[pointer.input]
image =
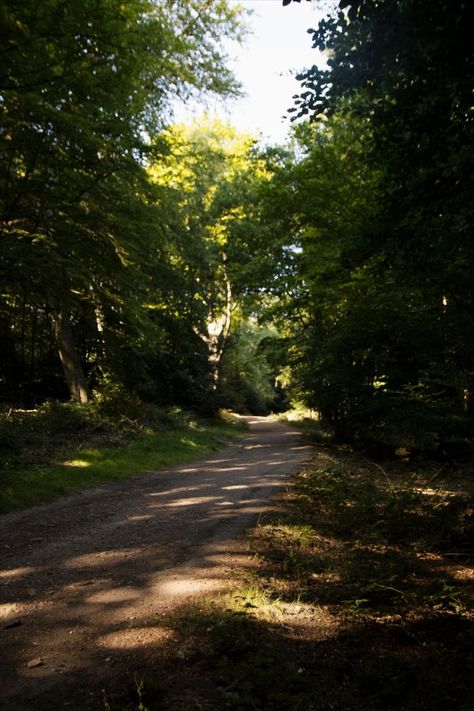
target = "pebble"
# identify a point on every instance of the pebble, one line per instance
(38, 662)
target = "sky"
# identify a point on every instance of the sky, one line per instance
(278, 47)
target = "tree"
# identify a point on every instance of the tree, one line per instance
(248, 377)
(79, 105)
(214, 173)
(400, 339)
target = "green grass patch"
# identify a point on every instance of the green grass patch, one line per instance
(58, 449)
(244, 648)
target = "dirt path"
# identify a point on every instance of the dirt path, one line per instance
(83, 580)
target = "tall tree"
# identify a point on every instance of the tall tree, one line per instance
(215, 173)
(402, 73)
(82, 87)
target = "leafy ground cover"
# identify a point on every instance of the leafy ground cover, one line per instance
(61, 447)
(361, 598)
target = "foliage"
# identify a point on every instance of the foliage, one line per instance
(151, 258)
(381, 207)
(213, 177)
(367, 545)
(247, 378)
(80, 222)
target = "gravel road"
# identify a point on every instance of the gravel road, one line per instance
(83, 580)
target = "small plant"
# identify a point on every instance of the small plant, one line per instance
(366, 544)
(450, 597)
(145, 693)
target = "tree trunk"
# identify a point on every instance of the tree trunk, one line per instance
(218, 324)
(73, 372)
(218, 332)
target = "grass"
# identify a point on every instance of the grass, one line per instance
(61, 448)
(386, 554)
(361, 599)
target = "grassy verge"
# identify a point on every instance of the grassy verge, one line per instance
(381, 560)
(60, 448)
(361, 599)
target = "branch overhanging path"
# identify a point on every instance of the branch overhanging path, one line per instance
(83, 580)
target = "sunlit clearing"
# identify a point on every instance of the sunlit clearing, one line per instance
(180, 489)
(189, 502)
(143, 517)
(301, 413)
(8, 610)
(85, 561)
(79, 463)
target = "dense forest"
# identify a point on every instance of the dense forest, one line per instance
(189, 265)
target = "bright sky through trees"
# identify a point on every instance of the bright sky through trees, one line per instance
(277, 48)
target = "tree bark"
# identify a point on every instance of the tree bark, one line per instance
(218, 333)
(73, 372)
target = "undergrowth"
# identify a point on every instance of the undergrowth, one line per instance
(387, 554)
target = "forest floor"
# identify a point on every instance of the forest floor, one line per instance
(353, 592)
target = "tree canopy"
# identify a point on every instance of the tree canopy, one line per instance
(387, 228)
(84, 89)
(190, 265)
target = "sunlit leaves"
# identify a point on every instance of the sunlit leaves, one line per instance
(84, 88)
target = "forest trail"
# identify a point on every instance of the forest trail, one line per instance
(84, 580)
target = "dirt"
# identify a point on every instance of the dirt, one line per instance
(85, 580)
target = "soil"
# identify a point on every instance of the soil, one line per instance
(84, 580)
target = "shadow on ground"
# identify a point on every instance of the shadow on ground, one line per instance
(84, 579)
